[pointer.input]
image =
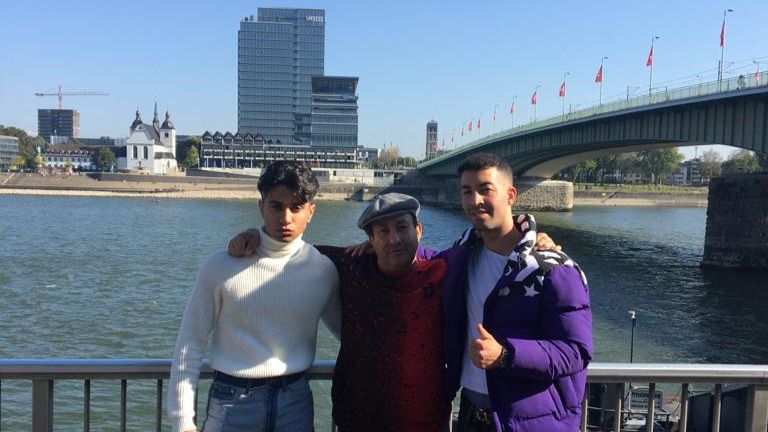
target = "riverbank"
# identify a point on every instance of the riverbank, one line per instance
(238, 189)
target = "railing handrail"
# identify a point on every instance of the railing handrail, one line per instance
(323, 369)
(667, 95)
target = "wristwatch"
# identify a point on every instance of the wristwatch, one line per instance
(505, 357)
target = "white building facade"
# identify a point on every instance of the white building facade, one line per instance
(150, 148)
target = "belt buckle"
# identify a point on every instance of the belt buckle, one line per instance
(482, 416)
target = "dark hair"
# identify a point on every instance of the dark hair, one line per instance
(369, 228)
(483, 161)
(292, 175)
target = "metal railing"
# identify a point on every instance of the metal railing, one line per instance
(44, 373)
(659, 96)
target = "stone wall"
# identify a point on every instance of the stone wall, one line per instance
(737, 222)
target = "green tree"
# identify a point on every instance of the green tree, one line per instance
(710, 164)
(27, 145)
(656, 164)
(104, 159)
(183, 147)
(19, 162)
(741, 162)
(192, 158)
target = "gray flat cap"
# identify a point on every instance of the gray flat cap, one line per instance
(387, 205)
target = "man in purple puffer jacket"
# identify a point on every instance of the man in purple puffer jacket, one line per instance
(518, 334)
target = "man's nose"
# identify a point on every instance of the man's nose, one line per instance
(394, 238)
(285, 216)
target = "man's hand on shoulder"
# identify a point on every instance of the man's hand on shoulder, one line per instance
(544, 242)
(359, 249)
(244, 244)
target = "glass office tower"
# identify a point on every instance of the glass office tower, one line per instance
(334, 111)
(277, 57)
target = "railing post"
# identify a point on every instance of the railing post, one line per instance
(651, 406)
(757, 409)
(42, 405)
(617, 417)
(716, 405)
(683, 423)
(585, 410)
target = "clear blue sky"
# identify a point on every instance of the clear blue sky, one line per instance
(417, 60)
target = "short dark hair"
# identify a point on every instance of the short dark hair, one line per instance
(369, 228)
(292, 175)
(481, 161)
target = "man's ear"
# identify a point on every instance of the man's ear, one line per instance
(419, 230)
(311, 211)
(512, 195)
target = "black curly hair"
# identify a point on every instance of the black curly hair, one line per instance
(292, 175)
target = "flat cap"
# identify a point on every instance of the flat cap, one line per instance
(387, 205)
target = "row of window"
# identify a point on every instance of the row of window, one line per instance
(280, 70)
(68, 159)
(145, 152)
(319, 119)
(278, 53)
(257, 95)
(334, 129)
(281, 45)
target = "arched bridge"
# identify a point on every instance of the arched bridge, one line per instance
(733, 113)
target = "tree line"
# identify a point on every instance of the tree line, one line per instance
(655, 165)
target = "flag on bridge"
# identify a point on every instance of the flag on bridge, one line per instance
(533, 97)
(478, 123)
(469, 126)
(562, 89)
(650, 57)
(757, 77)
(512, 108)
(599, 76)
(722, 33)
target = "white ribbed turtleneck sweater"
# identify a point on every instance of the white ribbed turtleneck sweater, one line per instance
(262, 313)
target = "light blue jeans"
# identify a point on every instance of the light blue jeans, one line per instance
(266, 408)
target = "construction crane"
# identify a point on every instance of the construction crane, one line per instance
(61, 95)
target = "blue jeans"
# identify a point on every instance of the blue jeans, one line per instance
(265, 408)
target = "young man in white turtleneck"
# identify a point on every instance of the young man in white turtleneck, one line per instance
(261, 315)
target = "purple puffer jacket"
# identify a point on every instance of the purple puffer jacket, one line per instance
(539, 310)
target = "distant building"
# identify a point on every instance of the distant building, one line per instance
(431, 149)
(63, 123)
(150, 148)
(688, 174)
(9, 150)
(368, 154)
(277, 57)
(334, 111)
(78, 159)
(227, 150)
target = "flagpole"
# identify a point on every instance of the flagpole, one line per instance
(512, 111)
(565, 91)
(722, 51)
(602, 78)
(494, 117)
(650, 82)
(536, 93)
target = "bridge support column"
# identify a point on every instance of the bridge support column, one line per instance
(737, 222)
(544, 195)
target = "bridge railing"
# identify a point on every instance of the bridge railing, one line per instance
(655, 97)
(44, 374)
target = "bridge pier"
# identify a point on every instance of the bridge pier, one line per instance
(737, 222)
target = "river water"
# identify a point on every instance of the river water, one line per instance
(109, 278)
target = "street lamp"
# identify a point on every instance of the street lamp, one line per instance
(633, 317)
(722, 50)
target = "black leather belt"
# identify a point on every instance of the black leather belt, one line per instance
(278, 381)
(479, 417)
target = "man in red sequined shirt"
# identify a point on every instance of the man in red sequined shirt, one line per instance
(390, 366)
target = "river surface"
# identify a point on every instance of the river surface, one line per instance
(109, 278)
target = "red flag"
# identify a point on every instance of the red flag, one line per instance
(650, 58)
(478, 123)
(722, 34)
(562, 89)
(599, 76)
(533, 98)
(512, 108)
(469, 127)
(757, 77)
(494, 116)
